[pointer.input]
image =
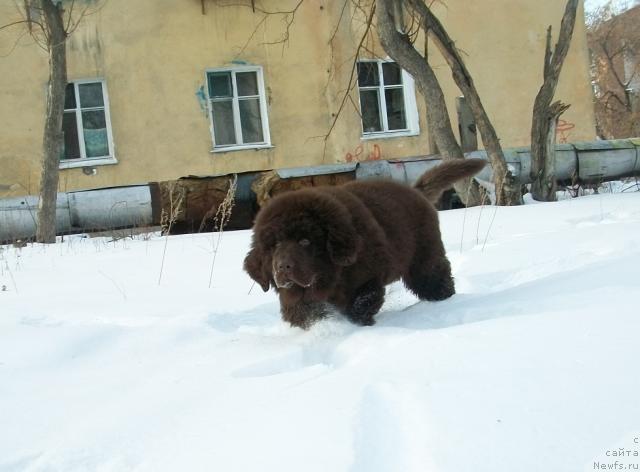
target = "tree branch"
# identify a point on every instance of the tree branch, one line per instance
(612, 67)
(352, 76)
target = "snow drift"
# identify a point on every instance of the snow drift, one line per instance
(532, 365)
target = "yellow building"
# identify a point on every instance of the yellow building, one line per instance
(161, 89)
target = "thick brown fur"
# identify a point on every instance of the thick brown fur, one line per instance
(340, 246)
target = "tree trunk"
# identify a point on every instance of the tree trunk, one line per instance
(545, 115)
(507, 186)
(543, 185)
(52, 142)
(402, 51)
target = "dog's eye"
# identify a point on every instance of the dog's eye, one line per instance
(304, 242)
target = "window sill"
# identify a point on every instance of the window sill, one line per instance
(240, 148)
(390, 134)
(99, 161)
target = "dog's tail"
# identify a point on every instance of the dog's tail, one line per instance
(440, 178)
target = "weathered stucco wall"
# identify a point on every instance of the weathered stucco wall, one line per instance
(153, 55)
(504, 44)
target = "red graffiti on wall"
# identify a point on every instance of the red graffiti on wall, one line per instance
(563, 130)
(359, 155)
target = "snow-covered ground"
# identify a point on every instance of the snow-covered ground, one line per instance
(532, 366)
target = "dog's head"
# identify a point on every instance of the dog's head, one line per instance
(301, 239)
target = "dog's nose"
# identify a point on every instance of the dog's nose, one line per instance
(283, 272)
(285, 266)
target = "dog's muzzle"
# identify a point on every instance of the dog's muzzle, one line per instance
(286, 272)
(286, 280)
(286, 284)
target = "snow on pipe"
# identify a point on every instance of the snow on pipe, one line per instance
(122, 207)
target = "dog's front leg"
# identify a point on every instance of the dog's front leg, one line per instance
(365, 303)
(300, 312)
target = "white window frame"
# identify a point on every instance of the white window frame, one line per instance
(84, 161)
(410, 106)
(266, 143)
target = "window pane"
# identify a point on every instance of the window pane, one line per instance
(247, 83)
(370, 110)
(367, 74)
(222, 116)
(395, 108)
(90, 95)
(251, 121)
(220, 85)
(94, 128)
(391, 73)
(70, 131)
(69, 97)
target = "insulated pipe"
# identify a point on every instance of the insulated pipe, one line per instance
(131, 206)
(90, 210)
(582, 162)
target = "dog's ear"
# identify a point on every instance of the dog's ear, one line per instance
(342, 240)
(258, 265)
(343, 250)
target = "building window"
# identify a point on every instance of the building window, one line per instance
(387, 100)
(237, 108)
(86, 125)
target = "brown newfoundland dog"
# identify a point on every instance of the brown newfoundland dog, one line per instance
(339, 246)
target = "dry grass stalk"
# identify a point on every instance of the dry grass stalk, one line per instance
(222, 217)
(167, 218)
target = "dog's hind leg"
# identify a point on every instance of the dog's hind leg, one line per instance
(429, 277)
(365, 303)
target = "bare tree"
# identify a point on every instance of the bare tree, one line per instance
(507, 186)
(53, 139)
(546, 114)
(614, 43)
(50, 25)
(399, 45)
